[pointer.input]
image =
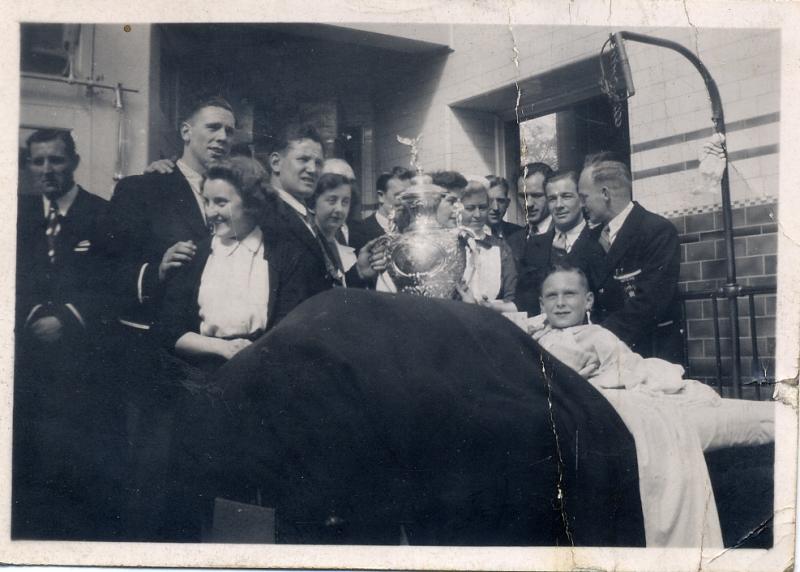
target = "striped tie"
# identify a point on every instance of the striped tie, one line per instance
(560, 246)
(53, 228)
(605, 238)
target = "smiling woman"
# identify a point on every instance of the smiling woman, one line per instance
(227, 295)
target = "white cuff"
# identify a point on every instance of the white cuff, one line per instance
(139, 283)
(385, 283)
(74, 310)
(31, 313)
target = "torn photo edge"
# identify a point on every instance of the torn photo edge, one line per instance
(613, 15)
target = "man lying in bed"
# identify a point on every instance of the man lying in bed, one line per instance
(369, 418)
(673, 420)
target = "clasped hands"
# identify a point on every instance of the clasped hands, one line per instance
(583, 361)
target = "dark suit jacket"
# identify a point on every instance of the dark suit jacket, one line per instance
(509, 228)
(179, 310)
(148, 214)
(281, 223)
(534, 256)
(646, 244)
(67, 429)
(361, 232)
(73, 279)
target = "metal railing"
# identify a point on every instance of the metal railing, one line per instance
(758, 373)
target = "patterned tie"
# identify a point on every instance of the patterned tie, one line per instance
(308, 219)
(53, 228)
(560, 246)
(605, 238)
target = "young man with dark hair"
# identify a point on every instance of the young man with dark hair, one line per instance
(156, 219)
(498, 206)
(295, 163)
(530, 190)
(65, 414)
(527, 246)
(569, 240)
(451, 180)
(388, 186)
(155, 222)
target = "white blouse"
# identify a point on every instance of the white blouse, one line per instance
(484, 272)
(234, 288)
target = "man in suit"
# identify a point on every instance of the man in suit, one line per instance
(65, 432)
(570, 240)
(295, 163)
(155, 222)
(156, 218)
(636, 282)
(498, 205)
(389, 185)
(530, 190)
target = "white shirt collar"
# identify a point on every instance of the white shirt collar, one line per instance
(382, 220)
(572, 234)
(544, 224)
(615, 224)
(226, 247)
(195, 179)
(64, 202)
(292, 202)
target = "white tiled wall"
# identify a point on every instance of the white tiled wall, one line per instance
(670, 100)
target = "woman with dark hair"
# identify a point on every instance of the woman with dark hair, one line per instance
(331, 202)
(235, 288)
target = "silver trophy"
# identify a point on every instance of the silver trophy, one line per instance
(425, 258)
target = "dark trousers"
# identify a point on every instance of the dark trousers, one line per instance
(149, 418)
(68, 443)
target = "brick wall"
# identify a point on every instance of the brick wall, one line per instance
(703, 267)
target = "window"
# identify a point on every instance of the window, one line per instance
(562, 139)
(539, 140)
(48, 48)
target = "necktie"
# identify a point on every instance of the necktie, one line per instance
(333, 263)
(309, 221)
(53, 228)
(605, 238)
(560, 246)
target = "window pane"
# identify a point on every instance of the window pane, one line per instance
(43, 49)
(539, 141)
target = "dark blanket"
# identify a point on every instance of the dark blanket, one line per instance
(361, 412)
